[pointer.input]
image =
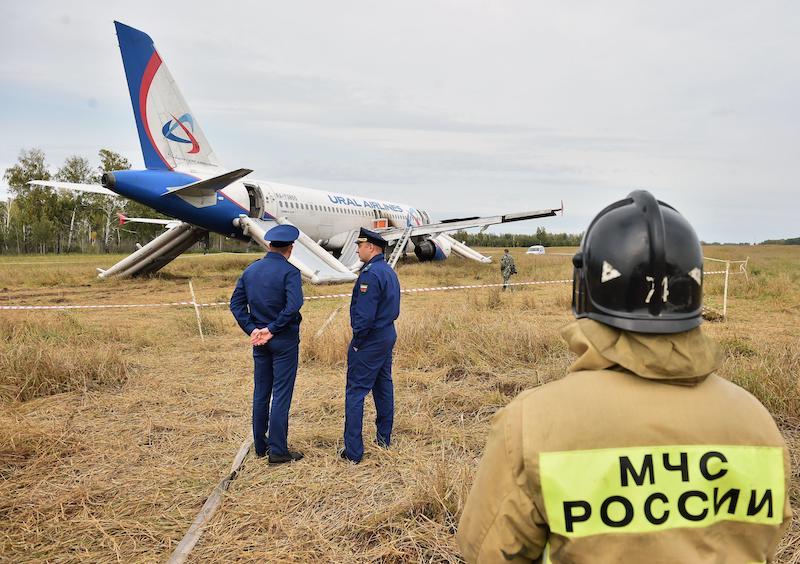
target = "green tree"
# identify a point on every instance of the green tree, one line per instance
(106, 207)
(32, 204)
(5, 221)
(78, 170)
(111, 161)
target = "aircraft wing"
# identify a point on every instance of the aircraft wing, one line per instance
(315, 263)
(74, 186)
(465, 223)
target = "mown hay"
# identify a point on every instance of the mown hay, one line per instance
(111, 472)
(62, 355)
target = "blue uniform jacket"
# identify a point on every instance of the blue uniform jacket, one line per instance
(376, 299)
(269, 294)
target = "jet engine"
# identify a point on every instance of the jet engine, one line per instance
(433, 248)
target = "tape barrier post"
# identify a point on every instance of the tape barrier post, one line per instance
(328, 321)
(727, 272)
(725, 292)
(197, 312)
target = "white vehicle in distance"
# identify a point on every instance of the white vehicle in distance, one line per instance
(535, 250)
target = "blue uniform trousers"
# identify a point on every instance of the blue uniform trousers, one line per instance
(369, 369)
(275, 369)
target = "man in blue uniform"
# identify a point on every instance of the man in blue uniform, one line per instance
(374, 307)
(266, 303)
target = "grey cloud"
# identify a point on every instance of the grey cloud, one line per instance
(697, 101)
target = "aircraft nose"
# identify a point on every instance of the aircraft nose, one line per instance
(108, 180)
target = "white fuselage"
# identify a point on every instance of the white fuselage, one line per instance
(324, 216)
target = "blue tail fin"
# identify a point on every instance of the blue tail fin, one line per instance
(169, 134)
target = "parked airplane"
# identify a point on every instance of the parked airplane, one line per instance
(185, 180)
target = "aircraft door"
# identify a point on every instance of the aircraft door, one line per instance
(379, 221)
(261, 200)
(256, 200)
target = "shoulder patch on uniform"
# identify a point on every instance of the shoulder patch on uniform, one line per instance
(363, 288)
(609, 272)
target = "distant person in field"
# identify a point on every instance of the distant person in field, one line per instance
(374, 307)
(266, 303)
(507, 268)
(641, 453)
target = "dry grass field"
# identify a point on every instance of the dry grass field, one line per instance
(116, 424)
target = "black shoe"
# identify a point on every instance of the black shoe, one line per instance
(262, 454)
(292, 456)
(343, 456)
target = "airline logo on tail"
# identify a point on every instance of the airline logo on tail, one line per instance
(159, 107)
(175, 123)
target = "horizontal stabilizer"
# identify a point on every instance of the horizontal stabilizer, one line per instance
(123, 219)
(209, 186)
(74, 186)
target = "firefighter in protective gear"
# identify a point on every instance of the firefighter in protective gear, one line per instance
(641, 453)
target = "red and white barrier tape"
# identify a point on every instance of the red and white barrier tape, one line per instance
(307, 298)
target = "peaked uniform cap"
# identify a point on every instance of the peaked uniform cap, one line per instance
(282, 235)
(367, 236)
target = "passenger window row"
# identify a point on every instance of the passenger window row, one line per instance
(331, 209)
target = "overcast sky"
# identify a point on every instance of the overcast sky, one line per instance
(457, 107)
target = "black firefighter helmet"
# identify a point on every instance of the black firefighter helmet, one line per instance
(639, 268)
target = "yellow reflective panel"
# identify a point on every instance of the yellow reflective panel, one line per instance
(647, 489)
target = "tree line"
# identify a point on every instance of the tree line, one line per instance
(38, 219)
(792, 241)
(541, 237)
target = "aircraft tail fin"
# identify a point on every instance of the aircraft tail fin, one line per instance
(169, 134)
